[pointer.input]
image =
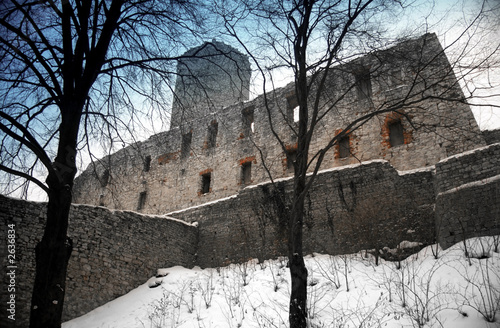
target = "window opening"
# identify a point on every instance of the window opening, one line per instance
(396, 133)
(104, 178)
(147, 163)
(292, 108)
(212, 134)
(296, 114)
(344, 147)
(291, 157)
(246, 173)
(248, 119)
(186, 144)
(364, 85)
(142, 201)
(205, 183)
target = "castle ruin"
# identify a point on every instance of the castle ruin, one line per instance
(424, 174)
(219, 140)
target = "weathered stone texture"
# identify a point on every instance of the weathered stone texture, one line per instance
(468, 199)
(209, 169)
(209, 77)
(433, 129)
(491, 136)
(363, 206)
(114, 252)
(474, 165)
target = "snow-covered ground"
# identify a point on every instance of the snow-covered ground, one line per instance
(344, 291)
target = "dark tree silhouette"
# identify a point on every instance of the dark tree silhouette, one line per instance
(71, 71)
(308, 39)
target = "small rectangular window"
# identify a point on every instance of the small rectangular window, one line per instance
(246, 173)
(147, 163)
(248, 119)
(291, 157)
(212, 134)
(292, 111)
(104, 180)
(396, 133)
(186, 144)
(296, 114)
(364, 85)
(142, 201)
(205, 183)
(344, 147)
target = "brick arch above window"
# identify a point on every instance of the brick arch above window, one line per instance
(394, 123)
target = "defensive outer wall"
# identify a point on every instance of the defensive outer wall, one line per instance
(115, 251)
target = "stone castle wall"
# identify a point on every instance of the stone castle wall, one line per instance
(209, 77)
(114, 252)
(468, 195)
(227, 148)
(491, 136)
(362, 206)
(387, 198)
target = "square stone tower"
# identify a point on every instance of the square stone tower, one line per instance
(209, 77)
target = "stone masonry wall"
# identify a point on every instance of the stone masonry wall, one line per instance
(364, 206)
(114, 252)
(491, 136)
(166, 172)
(468, 195)
(361, 206)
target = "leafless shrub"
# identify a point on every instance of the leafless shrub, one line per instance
(482, 290)
(329, 270)
(420, 295)
(166, 311)
(207, 288)
(277, 269)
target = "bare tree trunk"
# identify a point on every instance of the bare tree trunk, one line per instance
(52, 257)
(54, 250)
(298, 273)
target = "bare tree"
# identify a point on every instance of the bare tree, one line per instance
(71, 72)
(310, 39)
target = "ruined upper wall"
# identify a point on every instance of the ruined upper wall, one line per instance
(214, 156)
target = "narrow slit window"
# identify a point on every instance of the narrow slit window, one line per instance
(248, 119)
(104, 178)
(296, 115)
(364, 85)
(186, 144)
(291, 157)
(206, 180)
(213, 128)
(246, 173)
(396, 133)
(147, 163)
(292, 111)
(344, 147)
(142, 201)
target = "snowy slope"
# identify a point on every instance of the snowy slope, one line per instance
(452, 291)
